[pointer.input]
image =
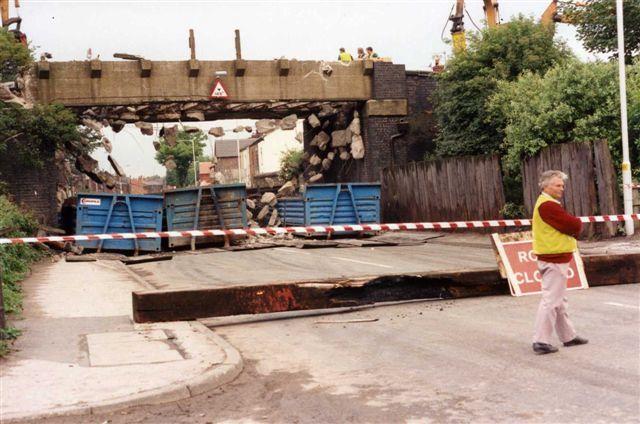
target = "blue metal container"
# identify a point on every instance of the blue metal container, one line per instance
(201, 208)
(332, 204)
(102, 213)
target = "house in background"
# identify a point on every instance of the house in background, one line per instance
(226, 153)
(205, 170)
(260, 159)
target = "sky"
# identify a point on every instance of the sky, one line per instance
(410, 32)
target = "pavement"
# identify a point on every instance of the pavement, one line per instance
(81, 353)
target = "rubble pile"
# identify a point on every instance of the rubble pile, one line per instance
(336, 139)
(262, 211)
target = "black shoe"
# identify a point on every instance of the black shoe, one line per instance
(544, 348)
(576, 341)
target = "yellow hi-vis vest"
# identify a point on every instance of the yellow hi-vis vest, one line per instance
(345, 57)
(546, 239)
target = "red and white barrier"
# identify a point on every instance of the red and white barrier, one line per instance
(412, 226)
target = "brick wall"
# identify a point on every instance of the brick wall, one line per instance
(420, 86)
(35, 188)
(389, 81)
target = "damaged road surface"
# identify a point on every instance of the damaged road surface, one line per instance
(286, 279)
(463, 360)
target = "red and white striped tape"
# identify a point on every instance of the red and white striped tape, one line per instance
(310, 230)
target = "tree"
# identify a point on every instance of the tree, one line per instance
(13, 56)
(182, 155)
(596, 24)
(572, 102)
(496, 54)
(35, 133)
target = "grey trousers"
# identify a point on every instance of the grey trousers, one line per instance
(552, 311)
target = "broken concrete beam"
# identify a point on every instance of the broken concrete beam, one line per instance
(327, 111)
(273, 218)
(331, 155)
(250, 203)
(129, 117)
(92, 124)
(264, 126)
(116, 166)
(216, 131)
(170, 116)
(170, 135)
(238, 129)
(326, 164)
(315, 160)
(345, 156)
(156, 145)
(269, 198)
(313, 121)
(354, 126)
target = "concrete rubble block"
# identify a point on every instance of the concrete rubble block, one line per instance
(250, 204)
(315, 178)
(129, 116)
(170, 135)
(117, 126)
(331, 155)
(106, 143)
(263, 212)
(340, 138)
(249, 214)
(248, 129)
(357, 147)
(306, 156)
(299, 137)
(253, 224)
(270, 182)
(321, 139)
(289, 122)
(264, 126)
(169, 116)
(192, 130)
(189, 105)
(170, 164)
(145, 128)
(345, 155)
(327, 111)
(156, 145)
(273, 218)
(313, 121)
(287, 189)
(315, 160)
(86, 164)
(216, 131)
(354, 126)
(238, 129)
(326, 164)
(267, 198)
(94, 125)
(195, 115)
(107, 179)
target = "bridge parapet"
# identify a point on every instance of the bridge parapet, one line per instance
(108, 83)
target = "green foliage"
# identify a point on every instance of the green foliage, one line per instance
(182, 155)
(34, 132)
(596, 24)
(496, 54)
(573, 102)
(290, 164)
(14, 259)
(13, 56)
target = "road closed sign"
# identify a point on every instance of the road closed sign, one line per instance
(517, 263)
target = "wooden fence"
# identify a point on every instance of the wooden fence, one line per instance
(467, 188)
(592, 188)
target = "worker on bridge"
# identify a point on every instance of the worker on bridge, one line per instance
(345, 57)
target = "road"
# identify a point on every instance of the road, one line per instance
(466, 360)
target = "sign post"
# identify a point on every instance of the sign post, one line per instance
(517, 263)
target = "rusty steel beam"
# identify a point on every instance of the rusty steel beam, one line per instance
(177, 305)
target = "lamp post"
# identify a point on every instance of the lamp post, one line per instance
(626, 164)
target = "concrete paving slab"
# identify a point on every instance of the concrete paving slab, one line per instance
(80, 352)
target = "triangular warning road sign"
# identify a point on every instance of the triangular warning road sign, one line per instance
(218, 91)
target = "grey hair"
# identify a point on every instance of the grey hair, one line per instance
(547, 176)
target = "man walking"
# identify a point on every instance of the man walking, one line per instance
(554, 232)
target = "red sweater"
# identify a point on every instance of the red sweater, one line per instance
(555, 215)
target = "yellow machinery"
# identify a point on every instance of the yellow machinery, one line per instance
(7, 21)
(457, 29)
